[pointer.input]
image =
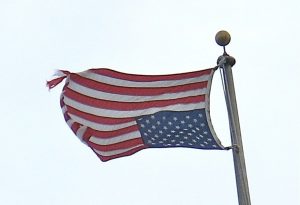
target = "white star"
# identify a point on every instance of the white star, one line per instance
(152, 116)
(202, 125)
(182, 122)
(153, 127)
(158, 122)
(187, 117)
(175, 119)
(147, 121)
(170, 123)
(190, 125)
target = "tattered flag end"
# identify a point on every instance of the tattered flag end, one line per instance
(62, 75)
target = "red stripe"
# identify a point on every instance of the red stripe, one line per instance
(110, 134)
(128, 153)
(66, 116)
(97, 119)
(62, 103)
(112, 105)
(117, 146)
(75, 126)
(87, 135)
(135, 91)
(148, 78)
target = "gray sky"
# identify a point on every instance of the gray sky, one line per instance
(42, 161)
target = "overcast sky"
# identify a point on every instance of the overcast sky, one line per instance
(43, 162)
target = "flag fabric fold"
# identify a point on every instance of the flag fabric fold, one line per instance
(118, 114)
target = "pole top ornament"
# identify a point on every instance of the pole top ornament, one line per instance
(222, 38)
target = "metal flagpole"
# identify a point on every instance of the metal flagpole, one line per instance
(225, 63)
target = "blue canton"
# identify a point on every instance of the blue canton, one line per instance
(177, 129)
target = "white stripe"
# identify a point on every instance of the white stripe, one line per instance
(132, 98)
(101, 127)
(114, 140)
(59, 73)
(80, 132)
(130, 113)
(115, 152)
(127, 83)
(64, 109)
(70, 122)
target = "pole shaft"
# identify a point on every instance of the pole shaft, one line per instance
(235, 131)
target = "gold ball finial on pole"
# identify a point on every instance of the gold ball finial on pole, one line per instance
(223, 38)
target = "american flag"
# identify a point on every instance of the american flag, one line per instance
(118, 114)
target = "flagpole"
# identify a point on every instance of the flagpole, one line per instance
(225, 63)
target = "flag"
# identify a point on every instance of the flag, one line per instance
(118, 114)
